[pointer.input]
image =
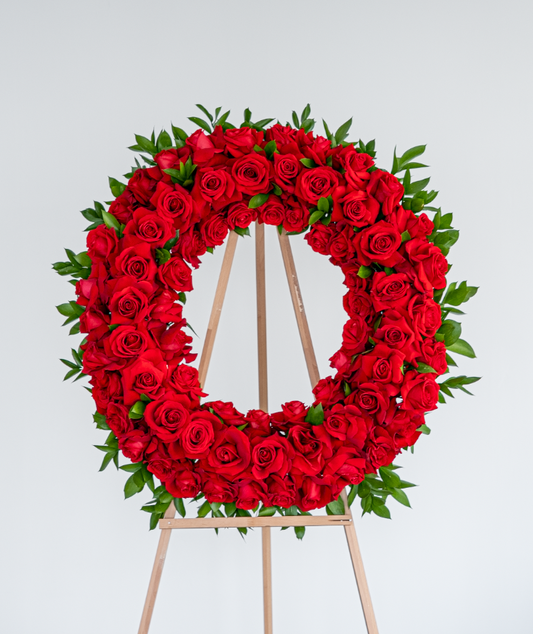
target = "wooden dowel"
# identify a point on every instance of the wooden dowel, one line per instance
(312, 368)
(267, 579)
(255, 522)
(261, 314)
(157, 571)
(217, 307)
(359, 570)
(299, 310)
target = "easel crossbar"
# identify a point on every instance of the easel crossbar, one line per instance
(251, 522)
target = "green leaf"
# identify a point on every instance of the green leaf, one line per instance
(230, 508)
(406, 236)
(146, 145)
(446, 239)
(315, 415)
(400, 497)
(423, 368)
(71, 373)
(154, 520)
(66, 310)
(110, 221)
(105, 462)
(323, 204)
(352, 494)
(364, 271)
(449, 332)
(162, 256)
(412, 153)
(132, 468)
(270, 148)
(342, 132)
(336, 507)
(462, 347)
(277, 190)
(201, 123)
(204, 509)
(315, 217)
(204, 110)
(70, 364)
(380, 509)
(300, 531)
(116, 187)
(180, 506)
(424, 429)
(257, 200)
(390, 478)
(137, 410)
(164, 142)
(242, 231)
(131, 487)
(307, 162)
(267, 511)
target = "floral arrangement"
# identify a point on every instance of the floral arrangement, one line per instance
(132, 283)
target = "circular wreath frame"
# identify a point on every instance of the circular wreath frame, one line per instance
(131, 285)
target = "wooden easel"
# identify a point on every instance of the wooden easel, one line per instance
(169, 522)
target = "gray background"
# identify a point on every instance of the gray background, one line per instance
(78, 80)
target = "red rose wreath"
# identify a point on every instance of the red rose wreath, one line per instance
(131, 286)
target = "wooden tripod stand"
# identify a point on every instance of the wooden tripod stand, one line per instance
(169, 522)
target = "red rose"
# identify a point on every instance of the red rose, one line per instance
(294, 411)
(198, 434)
(351, 277)
(379, 243)
(431, 265)
(184, 482)
(380, 448)
(347, 422)
(252, 174)
(143, 183)
(184, 380)
(434, 354)
(420, 391)
(134, 443)
(174, 204)
(174, 344)
(107, 387)
(281, 134)
(136, 262)
(355, 335)
(202, 148)
(241, 141)
(271, 455)
(356, 208)
(356, 165)
(148, 226)
(426, 315)
(126, 342)
(272, 212)
(282, 491)
(190, 246)
(386, 189)
(371, 400)
(286, 169)
(123, 206)
(101, 243)
(396, 333)
(250, 494)
(316, 183)
(227, 412)
(240, 215)
(313, 495)
(346, 466)
(230, 455)
(259, 422)
(328, 391)
(402, 425)
(160, 463)
(176, 274)
(214, 230)
(341, 247)
(319, 238)
(167, 417)
(165, 308)
(215, 186)
(382, 365)
(117, 418)
(129, 303)
(390, 291)
(358, 303)
(312, 446)
(218, 490)
(144, 376)
(296, 216)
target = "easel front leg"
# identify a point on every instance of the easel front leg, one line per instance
(157, 571)
(267, 579)
(359, 570)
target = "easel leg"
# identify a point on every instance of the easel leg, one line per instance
(263, 404)
(359, 570)
(157, 570)
(267, 580)
(312, 368)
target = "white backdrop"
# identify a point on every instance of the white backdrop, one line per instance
(78, 80)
